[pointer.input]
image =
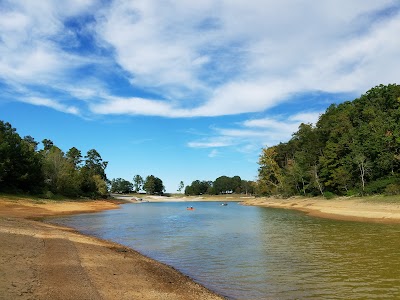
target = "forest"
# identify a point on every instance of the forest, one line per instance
(48, 172)
(221, 185)
(353, 149)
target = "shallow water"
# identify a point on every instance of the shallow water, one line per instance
(245, 252)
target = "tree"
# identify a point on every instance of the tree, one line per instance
(137, 183)
(31, 141)
(120, 185)
(223, 184)
(61, 177)
(198, 187)
(181, 186)
(247, 187)
(269, 174)
(95, 163)
(363, 167)
(47, 144)
(153, 185)
(74, 156)
(354, 145)
(20, 165)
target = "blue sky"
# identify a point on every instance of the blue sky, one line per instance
(185, 90)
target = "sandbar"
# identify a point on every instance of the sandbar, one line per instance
(342, 208)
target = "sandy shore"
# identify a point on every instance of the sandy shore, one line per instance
(43, 261)
(351, 209)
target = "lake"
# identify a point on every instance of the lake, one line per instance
(247, 252)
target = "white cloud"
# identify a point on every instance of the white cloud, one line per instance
(251, 135)
(204, 58)
(213, 153)
(52, 104)
(213, 142)
(306, 117)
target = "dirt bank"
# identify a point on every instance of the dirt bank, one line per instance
(351, 209)
(43, 261)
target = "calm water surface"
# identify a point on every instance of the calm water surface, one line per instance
(258, 253)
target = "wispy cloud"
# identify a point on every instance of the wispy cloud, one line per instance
(213, 142)
(213, 153)
(251, 135)
(210, 58)
(52, 104)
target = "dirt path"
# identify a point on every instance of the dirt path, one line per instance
(44, 261)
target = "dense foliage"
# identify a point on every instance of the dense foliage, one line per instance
(153, 185)
(221, 185)
(48, 171)
(121, 186)
(353, 149)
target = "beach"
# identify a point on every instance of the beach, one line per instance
(344, 208)
(44, 261)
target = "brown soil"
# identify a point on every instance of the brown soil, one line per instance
(43, 261)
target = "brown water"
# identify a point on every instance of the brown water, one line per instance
(259, 253)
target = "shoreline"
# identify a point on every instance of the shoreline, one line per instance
(344, 209)
(37, 256)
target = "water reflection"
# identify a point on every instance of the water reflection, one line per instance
(259, 253)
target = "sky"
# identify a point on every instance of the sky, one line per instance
(186, 90)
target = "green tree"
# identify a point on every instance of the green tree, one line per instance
(20, 165)
(355, 145)
(74, 156)
(270, 175)
(61, 177)
(181, 186)
(120, 185)
(153, 185)
(138, 183)
(95, 164)
(47, 144)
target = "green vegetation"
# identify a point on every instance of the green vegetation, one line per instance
(48, 172)
(221, 185)
(121, 186)
(152, 185)
(354, 149)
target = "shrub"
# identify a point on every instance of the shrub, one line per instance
(329, 195)
(379, 186)
(392, 189)
(351, 193)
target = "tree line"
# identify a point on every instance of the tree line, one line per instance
(151, 185)
(221, 185)
(354, 149)
(49, 171)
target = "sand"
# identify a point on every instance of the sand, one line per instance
(349, 209)
(44, 261)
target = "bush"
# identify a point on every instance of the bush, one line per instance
(48, 195)
(392, 189)
(329, 195)
(379, 186)
(351, 193)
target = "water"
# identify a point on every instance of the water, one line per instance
(258, 253)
